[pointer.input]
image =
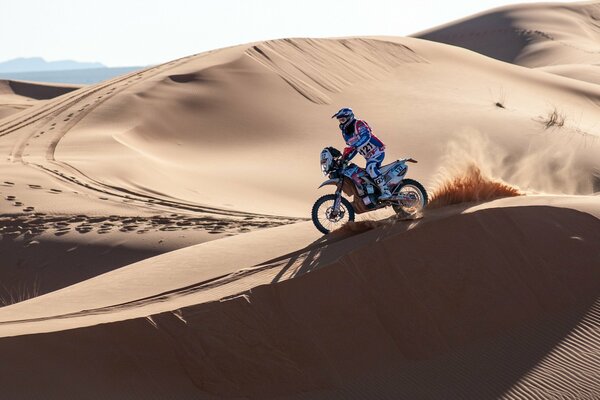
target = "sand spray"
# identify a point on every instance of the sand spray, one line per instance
(474, 168)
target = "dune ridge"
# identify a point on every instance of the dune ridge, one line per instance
(16, 96)
(36, 90)
(305, 63)
(558, 38)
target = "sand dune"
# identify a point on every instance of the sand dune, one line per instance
(171, 150)
(160, 142)
(583, 72)
(560, 38)
(155, 242)
(20, 95)
(369, 321)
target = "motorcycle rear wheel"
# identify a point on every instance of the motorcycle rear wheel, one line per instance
(419, 197)
(324, 221)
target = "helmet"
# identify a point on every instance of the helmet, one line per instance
(346, 113)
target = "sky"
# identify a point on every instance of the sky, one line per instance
(145, 32)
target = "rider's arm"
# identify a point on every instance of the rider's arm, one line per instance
(349, 153)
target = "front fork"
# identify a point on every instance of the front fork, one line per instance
(338, 198)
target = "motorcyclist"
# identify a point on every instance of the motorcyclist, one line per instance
(360, 139)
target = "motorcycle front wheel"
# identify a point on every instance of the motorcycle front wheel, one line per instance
(324, 218)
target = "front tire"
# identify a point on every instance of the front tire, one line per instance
(321, 213)
(416, 199)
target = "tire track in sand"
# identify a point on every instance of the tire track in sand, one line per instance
(37, 148)
(58, 110)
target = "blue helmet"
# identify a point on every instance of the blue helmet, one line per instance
(344, 113)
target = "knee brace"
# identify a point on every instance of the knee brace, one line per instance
(373, 170)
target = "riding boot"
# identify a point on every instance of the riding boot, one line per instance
(385, 192)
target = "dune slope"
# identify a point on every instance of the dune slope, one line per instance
(560, 38)
(19, 95)
(141, 223)
(489, 313)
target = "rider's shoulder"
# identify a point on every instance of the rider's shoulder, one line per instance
(362, 124)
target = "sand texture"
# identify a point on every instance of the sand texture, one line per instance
(16, 96)
(156, 242)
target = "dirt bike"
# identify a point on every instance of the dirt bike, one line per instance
(331, 211)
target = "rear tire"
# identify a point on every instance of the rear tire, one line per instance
(320, 213)
(413, 188)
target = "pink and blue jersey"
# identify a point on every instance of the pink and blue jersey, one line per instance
(360, 139)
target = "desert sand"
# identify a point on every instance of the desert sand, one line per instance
(20, 95)
(156, 241)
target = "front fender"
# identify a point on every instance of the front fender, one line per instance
(334, 181)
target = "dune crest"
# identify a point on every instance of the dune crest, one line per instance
(308, 66)
(561, 39)
(16, 96)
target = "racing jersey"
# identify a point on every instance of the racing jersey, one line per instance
(360, 139)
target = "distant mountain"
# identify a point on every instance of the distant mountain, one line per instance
(39, 64)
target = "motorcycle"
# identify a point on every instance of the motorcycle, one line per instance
(331, 211)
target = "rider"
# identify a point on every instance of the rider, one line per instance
(359, 138)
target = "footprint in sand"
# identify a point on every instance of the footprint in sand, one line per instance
(17, 204)
(55, 191)
(84, 228)
(34, 186)
(7, 183)
(10, 198)
(28, 209)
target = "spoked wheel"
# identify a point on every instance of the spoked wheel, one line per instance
(323, 215)
(413, 198)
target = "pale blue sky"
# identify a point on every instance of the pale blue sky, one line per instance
(142, 32)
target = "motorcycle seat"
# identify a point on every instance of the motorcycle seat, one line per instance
(385, 168)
